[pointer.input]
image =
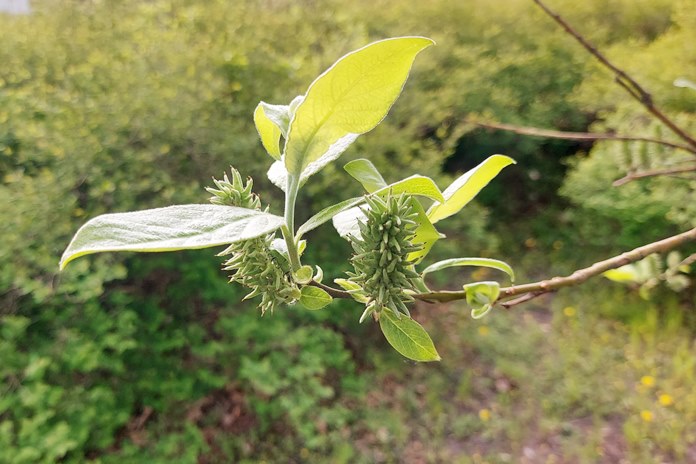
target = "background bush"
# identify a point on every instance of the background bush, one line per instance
(115, 106)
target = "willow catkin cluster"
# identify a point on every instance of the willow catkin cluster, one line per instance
(381, 263)
(253, 263)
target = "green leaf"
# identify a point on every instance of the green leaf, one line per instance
(354, 289)
(280, 115)
(326, 214)
(466, 187)
(480, 262)
(304, 274)
(349, 99)
(366, 173)
(319, 276)
(426, 233)
(268, 131)
(415, 185)
(481, 296)
(348, 223)
(314, 298)
(181, 227)
(407, 337)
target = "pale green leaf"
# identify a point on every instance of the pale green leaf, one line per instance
(314, 298)
(347, 222)
(304, 274)
(481, 296)
(326, 214)
(407, 337)
(268, 131)
(366, 173)
(426, 233)
(479, 312)
(319, 276)
(354, 289)
(350, 98)
(278, 174)
(415, 185)
(466, 187)
(181, 227)
(479, 262)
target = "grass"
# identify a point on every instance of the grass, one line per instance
(590, 375)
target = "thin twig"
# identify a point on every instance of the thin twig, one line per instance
(334, 292)
(532, 290)
(536, 132)
(689, 260)
(652, 173)
(576, 278)
(623, 79)
(523, 299)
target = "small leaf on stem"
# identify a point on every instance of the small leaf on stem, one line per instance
(314, 298)
(407, 337)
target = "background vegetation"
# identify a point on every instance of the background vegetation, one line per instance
(115, 106)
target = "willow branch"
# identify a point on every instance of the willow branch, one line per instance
(334, 292)
(652, 173)
(621, 77)
(589, 136)
(578, 277)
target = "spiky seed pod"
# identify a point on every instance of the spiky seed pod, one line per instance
(234, 193)
(253, 263)
(381, 263)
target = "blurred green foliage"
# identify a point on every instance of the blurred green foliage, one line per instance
(115, 106)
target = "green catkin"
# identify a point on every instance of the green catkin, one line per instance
(381, 265)
(253, 263)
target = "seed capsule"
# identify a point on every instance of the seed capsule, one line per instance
(381, 263)
(252, 262)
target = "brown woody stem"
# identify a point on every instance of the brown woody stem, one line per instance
(532, 290)
(621, 77)
(536, 132)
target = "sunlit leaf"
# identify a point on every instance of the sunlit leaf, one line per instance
(407, 337)
(268, 131)
(415, 185)
(278, 174)
(350, 98)
(181, 227)
(481, 296)
(426, 233)
(366, 173)
(466, 187)
(327, 214)
(354, 289)
(479, 262)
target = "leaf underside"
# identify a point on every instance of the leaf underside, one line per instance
(348, 99)
(180, 227)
